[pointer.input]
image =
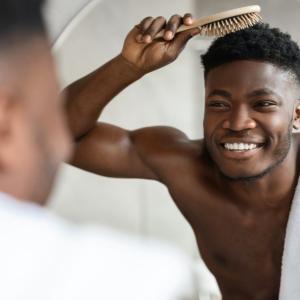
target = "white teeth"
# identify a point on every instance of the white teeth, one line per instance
(240, 146)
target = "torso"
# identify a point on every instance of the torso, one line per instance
(242, 247)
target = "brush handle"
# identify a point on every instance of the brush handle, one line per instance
(216, 17)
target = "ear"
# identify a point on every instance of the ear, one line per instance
(296, 117)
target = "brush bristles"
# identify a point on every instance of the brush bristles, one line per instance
(225, 26)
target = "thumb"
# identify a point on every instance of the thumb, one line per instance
(182, 38)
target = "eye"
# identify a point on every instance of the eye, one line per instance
(218, 104)
(265, 104)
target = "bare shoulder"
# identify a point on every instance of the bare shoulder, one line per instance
(167, 140)
(167, 149)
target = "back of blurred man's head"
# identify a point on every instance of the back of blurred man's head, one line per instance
(34, 139)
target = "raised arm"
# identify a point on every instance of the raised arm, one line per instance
(109, 150)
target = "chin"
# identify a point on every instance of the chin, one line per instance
(246, 174)
(243, 177)
(44, 189)
(41, 196)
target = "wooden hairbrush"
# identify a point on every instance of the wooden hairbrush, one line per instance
(225, 22)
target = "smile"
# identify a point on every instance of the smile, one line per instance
(241, 146)
(240, 150)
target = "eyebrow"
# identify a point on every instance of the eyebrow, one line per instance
(263, 92)
(256, 93)
(218, 92)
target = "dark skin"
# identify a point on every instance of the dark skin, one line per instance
(236, 200)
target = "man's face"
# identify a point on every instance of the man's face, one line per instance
(249, 110)
(40, 139)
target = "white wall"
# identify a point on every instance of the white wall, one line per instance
(59, 13)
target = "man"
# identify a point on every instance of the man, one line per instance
(229, 185)
(42, 257)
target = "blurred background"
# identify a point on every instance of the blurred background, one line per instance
(85, 34)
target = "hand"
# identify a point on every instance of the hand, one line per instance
(146, 54)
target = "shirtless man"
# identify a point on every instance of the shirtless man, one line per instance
(229, 185)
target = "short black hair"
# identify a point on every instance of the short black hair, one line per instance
(20, 17)
(260, 43)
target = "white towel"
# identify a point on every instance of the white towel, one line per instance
(290, 271)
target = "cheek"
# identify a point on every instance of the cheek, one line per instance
(206, 129)
(58, 137)
(276, 126)
(26, 143)
(208, 121)
(212, 123)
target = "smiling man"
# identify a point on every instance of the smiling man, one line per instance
(229, 185)
(248, 118)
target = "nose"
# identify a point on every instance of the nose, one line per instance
(239, 119)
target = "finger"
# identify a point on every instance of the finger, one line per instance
(157, 25)
(145, 23)
(182, 38)
(143, 26)
(171, 27)
(188, 19)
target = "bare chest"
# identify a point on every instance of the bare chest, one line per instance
(246, 259)
(243, 250)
